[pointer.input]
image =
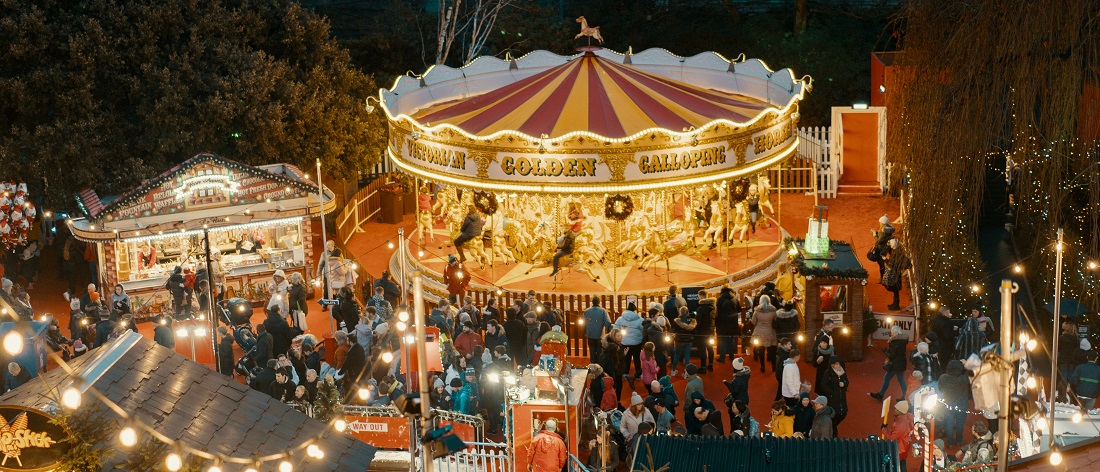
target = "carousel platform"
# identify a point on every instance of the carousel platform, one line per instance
(740, 263)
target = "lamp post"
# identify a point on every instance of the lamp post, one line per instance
(1057, 333)
(210, 302)
(1006, 372)
(422, 365)
(324, 241)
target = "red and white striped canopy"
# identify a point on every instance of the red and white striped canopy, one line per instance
(592, 94)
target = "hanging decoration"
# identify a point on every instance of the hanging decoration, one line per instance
(485, 202)
(618, 207)
(17, 214)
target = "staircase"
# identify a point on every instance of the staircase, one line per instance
(858, 188)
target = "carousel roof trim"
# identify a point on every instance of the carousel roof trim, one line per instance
(441, 83)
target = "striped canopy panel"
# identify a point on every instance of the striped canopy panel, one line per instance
(591, 94)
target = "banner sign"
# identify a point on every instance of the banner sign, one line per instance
(906, 322)
(28, 441)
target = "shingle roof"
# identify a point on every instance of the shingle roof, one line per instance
(766, 454)
(193, 404)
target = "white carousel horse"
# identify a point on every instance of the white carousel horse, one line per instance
(682, 243)
(442, 203)
(740, 220)
(763, 189)
(590, 31)
(717, 224)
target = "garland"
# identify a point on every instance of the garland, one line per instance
(485, 202)
(799, 263)
(618, 207)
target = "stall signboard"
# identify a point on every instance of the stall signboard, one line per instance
(691, 294)
(885, 321)
(392, 432)
(29, 441)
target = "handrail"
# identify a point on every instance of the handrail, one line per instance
(360, 208)
(575, 464)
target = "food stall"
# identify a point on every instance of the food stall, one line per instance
(257, 219)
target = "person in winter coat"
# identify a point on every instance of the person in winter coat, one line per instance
(175, 286)
(741, 422)
(471, 228)
(263, 350)
(346, 312)
(727, 323)
(279, 288)
(596, 324)
(895, 363)
(534, 336)
(634, 417)
(613, 360)
(694, 383)
(712, 422)
(704, 331)
(279, 331)
(654, 328)
(764, 339)
(739, 386)
(599, 450)
(464, 343)
(120, 303)
(971, 339)
(981, 449)
(954, 388)
(820, 358)
(924, 363)
(694, 426)
(1085, 381)
(515, 330)
(782, 352)
(225, 352)
(455, 277)
(296, 297)
(803, 415)
(896, 264)
(944, 328)
(835, 388)
(782, 422)
(786, 323)
(494, 336)
(163, 333)
(547, 452)
(683, 329)
(631, 325)
(649, 363)
(792, 378)
(608, 400)
(901, 430)
(823, 419)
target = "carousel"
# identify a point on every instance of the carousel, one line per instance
(599, 172)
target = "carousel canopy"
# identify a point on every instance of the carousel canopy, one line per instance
(596, 95)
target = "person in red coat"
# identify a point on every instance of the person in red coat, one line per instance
(456, 277)
(901, 430)
(547, 450)
(466, 341)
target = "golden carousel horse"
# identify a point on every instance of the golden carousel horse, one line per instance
(717, 224)
(660, 248)
(740, 220)
(590, 31)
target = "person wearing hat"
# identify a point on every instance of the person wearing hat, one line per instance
(697, 400)
(739, 385)
(596, 324)
(834, 386)
(882, 237)
(823, 418)
(104, 328)
(547, 452)
(76, 319)
(901, 430)
(455, 277)
(630, 323)
(896, 263)
(634, 417)
(726, 323)
(79, 348)
(279, 330)
(465, 342)
(263, 349)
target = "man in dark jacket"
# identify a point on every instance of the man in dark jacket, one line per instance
(471, 228)
(279, 331)
(726, 326)
(176, 287)
(515, 330)
(264, 348)
(596, 323)
(353, 367)
(104, 328)
(694, 425)
(347, 311)
(782, 352)
(739, 386)
(673, 304)
(955, 390)
(704, 332)
(896, 362)
(823, 419)
(225, 352)
(1085, 381)
(264, 377)
(945, 328)
(163, 333)
(391, 291)
(282, 389)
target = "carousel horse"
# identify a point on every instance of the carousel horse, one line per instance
(424, 212)
(717, 224)
(442, 203)
(681, 243)
(763, 189)
(592, 32)
(740, 220)
(500, 245)
(588, 253)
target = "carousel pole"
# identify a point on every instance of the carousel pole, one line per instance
(324, 241)
(779, 205)
(402, 250)
(422, 365)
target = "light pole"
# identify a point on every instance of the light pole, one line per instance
(1057, 333)
(1006, 372)
(422, 366)
(210, 302)
(324, 241)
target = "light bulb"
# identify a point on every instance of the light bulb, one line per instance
(127, 436)
(214, 468)
(930, 402)
(668, 338)
(312, 450)
(284, 466)
(410, 339)
(70, 398)
(1056, 457)
(975, 288)
(1030, 382)
(459, 274)
(1017, 269)
(494, 377)
(1092, 265)
(1023, 337)
(501, 292)
(364, 394)
(387, 357)
(580, 321)
(199, 332)
(354, 265)
(173, 462)
(1041, 424)
(13, 342)
(889, 320)
(340, 425)
(401, 326)
(712, 341)
(420, 253)
(755, 342)
(801, 338)
(933, 305)
(251, 469)
(1076, 418)
(389, 244)
(844, 330)
(1031, 345)
(403, 316)
(84, 322)
(538, 309)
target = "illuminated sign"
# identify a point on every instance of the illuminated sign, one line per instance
(28, 441)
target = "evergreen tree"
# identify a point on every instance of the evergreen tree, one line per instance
(327, 405)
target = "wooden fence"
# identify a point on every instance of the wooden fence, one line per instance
(360, 208)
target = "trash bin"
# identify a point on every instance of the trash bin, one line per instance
(410, 202)
(391, 204)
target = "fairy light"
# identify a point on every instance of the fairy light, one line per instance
(668, 338)
(580, 321)
(1031, 383)
(70, 398)
(403, 316)
(389, 244)
(387, 357)
(364, 394)
(127, 436)
(340, 425)
(173, 461)
(1017, 269)
(1077, 417)
(420, 253)
(401, 326)
(13, 342)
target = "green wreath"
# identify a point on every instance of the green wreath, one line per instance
(618, 207)
(485, 202)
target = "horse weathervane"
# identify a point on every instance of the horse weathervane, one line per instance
(590, 31)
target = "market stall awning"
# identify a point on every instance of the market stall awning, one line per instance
(596, 95)
(190, 403)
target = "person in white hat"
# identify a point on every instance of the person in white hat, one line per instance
(634, 417)
(882, 238)
(901, 430)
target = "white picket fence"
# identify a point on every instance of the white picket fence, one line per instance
(814, 146)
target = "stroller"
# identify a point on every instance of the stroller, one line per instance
(237, 314)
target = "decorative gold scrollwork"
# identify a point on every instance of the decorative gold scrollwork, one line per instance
(617, 164)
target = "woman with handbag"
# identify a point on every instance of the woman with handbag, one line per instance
(896, 263)
(298, 306)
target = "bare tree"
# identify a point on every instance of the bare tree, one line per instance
(468, 22)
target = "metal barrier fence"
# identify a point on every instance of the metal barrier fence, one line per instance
(481, 457)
